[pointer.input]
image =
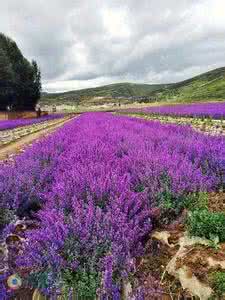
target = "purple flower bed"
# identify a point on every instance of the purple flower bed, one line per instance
(200, 110)
(97, 180)
(10, 124)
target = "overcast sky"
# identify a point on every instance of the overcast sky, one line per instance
(86, 43)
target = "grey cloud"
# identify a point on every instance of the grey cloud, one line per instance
(82, 43)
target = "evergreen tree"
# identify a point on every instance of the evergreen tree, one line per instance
(37, 80)
(20, 80)
(6, 80)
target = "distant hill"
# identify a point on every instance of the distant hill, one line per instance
(125, 90)
(207, 86)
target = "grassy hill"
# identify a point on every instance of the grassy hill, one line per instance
(207, 86)
(113, 90)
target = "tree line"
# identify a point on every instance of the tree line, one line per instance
(20, 80)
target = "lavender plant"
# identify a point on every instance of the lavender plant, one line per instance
(97, 182)
(89, 243)
(199, 110)
(10, 124)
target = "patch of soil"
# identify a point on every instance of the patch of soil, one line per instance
(216, 201)
(197, 257)
(152, 267)
(23, 294)
(167, 219)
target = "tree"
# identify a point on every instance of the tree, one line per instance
(6, 80)
(20, 80)
(36, 80)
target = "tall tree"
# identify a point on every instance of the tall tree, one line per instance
(6, 80)
(20, 80)
(37, 80)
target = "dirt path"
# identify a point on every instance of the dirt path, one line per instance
(17, 146)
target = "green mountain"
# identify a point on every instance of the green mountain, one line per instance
(85, 96)
(207, 86)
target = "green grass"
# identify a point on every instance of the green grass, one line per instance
(207, 86)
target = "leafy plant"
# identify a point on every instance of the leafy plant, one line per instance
(6, 216)
(218, 282)
(83, 282)
(195, 201)
(206, 224)
(39, 279)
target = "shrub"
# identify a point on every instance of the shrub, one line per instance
(6, 216)
(206, 224)
(87, 249)
(196, 201)
(218, 283)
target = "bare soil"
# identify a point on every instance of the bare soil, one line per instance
(216, 202)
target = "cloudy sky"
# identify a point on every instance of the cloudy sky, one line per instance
(86, 43)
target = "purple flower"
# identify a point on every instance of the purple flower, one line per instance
(93, 186)
(10, 124)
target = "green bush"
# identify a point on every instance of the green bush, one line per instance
(196, 201)
(6, 216)
(218, 283)
(190, 201)
(206, 224)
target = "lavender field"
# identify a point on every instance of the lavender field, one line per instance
(10, 124)
(198, 110)
(93, 190)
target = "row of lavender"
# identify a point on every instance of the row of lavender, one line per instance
(199, 110)
(10, 124)
(98, 181)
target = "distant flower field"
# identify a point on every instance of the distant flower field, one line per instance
(199, 110)
(98, 181)
(10, 124)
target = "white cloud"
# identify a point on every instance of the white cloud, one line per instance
(116, 23)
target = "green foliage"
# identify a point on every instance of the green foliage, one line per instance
(210, 85)
(167, 200)
(39, 279)
(196, 201)
(206, 224)
(20, 80)
(218, 283)
(6, 216)
(214, 242)
(84, 279)
(85, 283)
